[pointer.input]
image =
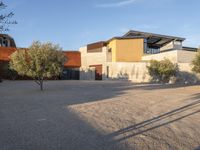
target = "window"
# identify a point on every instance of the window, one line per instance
(145, 46)
(4, 42)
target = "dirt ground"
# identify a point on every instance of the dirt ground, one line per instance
(102, 115)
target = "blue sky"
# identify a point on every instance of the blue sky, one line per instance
(75, 23)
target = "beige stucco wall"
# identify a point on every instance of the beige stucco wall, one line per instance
(95, 58)
(134, 71)
(137, 72)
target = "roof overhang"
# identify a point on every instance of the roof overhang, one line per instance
(155, 40)
(124, 38)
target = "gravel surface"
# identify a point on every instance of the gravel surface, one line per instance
(104, 115)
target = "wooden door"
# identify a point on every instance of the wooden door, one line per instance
(98, 71)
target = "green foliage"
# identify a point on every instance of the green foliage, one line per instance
(39, 61)
(6, 72)
(162, 70)
(196, 63)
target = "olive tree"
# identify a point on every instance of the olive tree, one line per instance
(162, 70)
(196, 63)
(39, 61)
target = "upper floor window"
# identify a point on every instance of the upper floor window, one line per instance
(4, 42)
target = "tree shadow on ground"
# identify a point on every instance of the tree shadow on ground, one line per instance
(198, 148)
(153, 86)
(76, 92)
(156, 122)
(31, 118)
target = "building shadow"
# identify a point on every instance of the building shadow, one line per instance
(198, 148)
(156, 122)
(42, 118)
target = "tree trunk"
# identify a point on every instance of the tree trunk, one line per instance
(41, 84)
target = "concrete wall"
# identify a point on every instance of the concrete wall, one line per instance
(137, 72)
(134, 71)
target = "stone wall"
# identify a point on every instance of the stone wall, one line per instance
(176, 56)
(171, 55)
(185, 56)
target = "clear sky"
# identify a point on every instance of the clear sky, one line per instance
(74, 23)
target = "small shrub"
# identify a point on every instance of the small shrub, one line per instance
(162, 71)
(196, 63)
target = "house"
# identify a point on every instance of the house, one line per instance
(126, 57)
(8, 46)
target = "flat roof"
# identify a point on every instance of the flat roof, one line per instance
(155, 40)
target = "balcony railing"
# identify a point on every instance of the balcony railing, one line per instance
(149, 50)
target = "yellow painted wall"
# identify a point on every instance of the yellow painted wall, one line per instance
(112, 44)
(126, 50)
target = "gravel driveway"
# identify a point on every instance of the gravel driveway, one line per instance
(104, 115)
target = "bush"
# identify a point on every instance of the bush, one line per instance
(162, 71)
(196, 63)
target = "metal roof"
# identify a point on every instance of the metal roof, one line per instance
(123, 37)
(155, 40)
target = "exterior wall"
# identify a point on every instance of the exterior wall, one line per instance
(186, 74)
(185, 56)
(96, 47)
(5, 53)
(87, 73)
(171, 55)
(126, 50)
(73, 59)
(134, 71)
(167, 46)
(89, 59)
(176, 56)
(112, 45)
(137, 72)
(172, 45)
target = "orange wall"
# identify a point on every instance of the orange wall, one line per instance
(73, 59)
(5, 53)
